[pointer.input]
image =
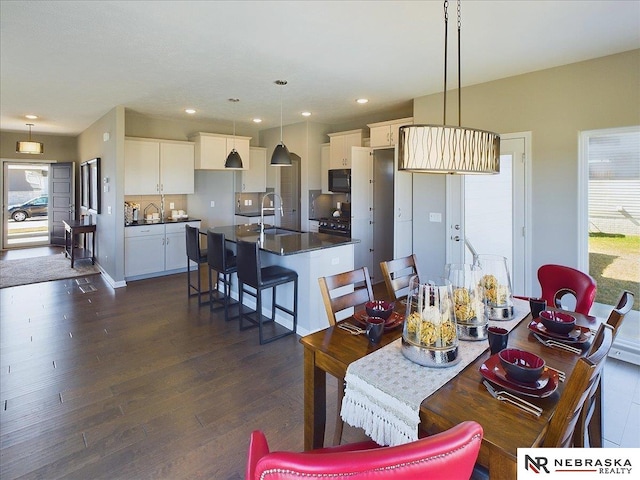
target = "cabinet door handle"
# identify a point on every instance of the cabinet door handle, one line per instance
(391, 137)
(167, 240)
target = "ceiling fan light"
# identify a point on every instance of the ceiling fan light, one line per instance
(280, 156)
(233, 160)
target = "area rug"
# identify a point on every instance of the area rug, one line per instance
(42, 269)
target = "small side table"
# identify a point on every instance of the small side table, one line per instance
(76, 227)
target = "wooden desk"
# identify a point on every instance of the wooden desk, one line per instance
(77, 227)
(463, 398)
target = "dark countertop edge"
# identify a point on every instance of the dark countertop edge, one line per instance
(144, 223)
(339, 241)
(252, 214)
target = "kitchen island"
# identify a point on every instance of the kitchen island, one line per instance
(312, 255)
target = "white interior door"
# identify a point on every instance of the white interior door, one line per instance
(490, 214)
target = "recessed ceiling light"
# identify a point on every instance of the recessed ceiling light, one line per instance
(257, 120)
(190, 111)
(306, 114)
(31, 117)
(362, 100)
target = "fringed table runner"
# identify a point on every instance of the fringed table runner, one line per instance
(384, 390)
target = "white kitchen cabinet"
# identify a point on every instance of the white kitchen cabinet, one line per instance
(212, 149)
(385, 134)
(325, 162)
(143, 250)
(150, 250)
(254, 179)
(314, 225)
(158, 166)
(340, 147)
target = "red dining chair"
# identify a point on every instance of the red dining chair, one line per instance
(557, 281)
(446, 455)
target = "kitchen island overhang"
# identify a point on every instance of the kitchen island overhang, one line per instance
(312, 255)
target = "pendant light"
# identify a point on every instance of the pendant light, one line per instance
(444, 148)
(280, 156)
(34, 148)
(233, 159)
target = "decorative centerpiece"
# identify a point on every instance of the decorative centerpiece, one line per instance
(429, 337)
(468, 304)
(496, 286)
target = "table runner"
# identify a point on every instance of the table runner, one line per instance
(384, 390)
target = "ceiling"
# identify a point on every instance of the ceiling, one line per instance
(70, 62)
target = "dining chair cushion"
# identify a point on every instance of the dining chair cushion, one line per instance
(446, 455)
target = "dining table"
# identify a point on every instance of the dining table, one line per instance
(463, 397)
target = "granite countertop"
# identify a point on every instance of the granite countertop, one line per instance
(283, 242)
(251, 214)
(141, 223)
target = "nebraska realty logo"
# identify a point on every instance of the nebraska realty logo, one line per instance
(549, 463)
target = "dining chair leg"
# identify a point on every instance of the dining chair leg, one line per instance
(595, 424)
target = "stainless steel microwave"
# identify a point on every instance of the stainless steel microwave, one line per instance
(340, 180)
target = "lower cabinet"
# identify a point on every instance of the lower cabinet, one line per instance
(155, 249)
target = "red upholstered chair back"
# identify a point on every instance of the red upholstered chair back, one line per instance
(557, 281)
(448, 455)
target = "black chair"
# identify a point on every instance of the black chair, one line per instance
(251, 273)
(223, 261)
(195, 254)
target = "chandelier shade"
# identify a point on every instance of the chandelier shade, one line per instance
(30, 147)
(444, 148)
(448, 149)
(233, 160)
(281, 156)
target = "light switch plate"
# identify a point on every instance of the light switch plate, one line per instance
(435, 217)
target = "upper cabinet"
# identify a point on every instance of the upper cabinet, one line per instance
(385, 134)
(254, 179)
(340, 147)
(212, 150)
(158, 167)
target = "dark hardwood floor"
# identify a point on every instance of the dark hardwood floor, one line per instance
(139, 383)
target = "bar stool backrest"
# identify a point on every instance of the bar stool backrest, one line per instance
(193, 244)
(248, 261)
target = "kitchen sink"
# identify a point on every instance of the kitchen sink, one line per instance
(277, 231)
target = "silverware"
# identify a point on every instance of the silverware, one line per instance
(352, 329)
(558, 345)
(561, 375)
(505, 396)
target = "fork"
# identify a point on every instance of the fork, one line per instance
(561, 375)
(559, 345)
(505, 396)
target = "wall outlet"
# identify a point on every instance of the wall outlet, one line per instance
(213, 203)
(109, 210)
(173, 205)
(246, 203)
(435, 217)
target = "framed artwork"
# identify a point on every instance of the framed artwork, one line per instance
(90, 185)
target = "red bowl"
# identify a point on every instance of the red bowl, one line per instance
(557, 322)
(379, 308)
(520, 365)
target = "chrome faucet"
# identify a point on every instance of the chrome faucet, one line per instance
(272, 209)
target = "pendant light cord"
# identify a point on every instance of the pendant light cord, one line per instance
(459, 72)
(446, 42)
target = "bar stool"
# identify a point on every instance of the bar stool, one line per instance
(194, 254)
(223, 261)
(251, 273)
